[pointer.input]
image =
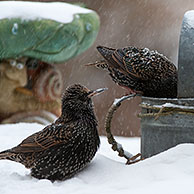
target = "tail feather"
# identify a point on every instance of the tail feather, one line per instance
(114, 57)
(99, 64)
(27, 161)
(106, 53)
(6, 155)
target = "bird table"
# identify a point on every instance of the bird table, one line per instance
(166, 122)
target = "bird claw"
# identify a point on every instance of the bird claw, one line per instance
(130, 91)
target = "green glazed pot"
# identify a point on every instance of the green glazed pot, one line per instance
(44, 36)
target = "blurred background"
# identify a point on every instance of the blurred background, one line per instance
(154, 24)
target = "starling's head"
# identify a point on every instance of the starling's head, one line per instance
(76, 100)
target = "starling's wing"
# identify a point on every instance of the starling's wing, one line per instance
(51, 135)
(138, 64)
(146, 64)
(114, 57)
(107, 53)
(119, 57)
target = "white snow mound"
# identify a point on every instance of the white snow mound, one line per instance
(169, 172)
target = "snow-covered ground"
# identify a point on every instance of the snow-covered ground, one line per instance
(169, 172)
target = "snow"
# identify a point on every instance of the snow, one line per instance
(60, 12)
(118, 100)
(169, 172)
(171, 105)
(126, 153)
(189, 15)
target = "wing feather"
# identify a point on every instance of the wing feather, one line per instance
(44, 139)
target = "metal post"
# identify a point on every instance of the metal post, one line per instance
(175, 125)
(186, 57)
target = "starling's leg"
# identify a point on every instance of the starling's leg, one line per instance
(128, 90)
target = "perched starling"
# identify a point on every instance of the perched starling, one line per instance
(141, 71)
(66, 146)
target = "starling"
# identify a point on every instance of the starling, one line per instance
(66, 146)
(140, 70)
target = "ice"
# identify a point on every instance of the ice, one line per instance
(60, 12)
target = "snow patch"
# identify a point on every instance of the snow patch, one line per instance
(60, 12)
(189, 16)
(118, 100)
(171, 171)
(171, 105)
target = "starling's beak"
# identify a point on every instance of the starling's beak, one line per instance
(96, 92)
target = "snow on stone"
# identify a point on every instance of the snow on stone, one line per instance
(169, 172)
(189, 15)
(60, 12)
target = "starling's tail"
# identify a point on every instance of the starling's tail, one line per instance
(106, 52)
(99, 64)
(16, 157)
(6, 155)
(114, 57)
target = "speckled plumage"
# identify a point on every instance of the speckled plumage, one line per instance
(141, 70)
(66, 146)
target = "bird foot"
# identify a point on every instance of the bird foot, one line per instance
(134, 159)
(131, 91)
(128, 91)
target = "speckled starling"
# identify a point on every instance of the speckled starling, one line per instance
(141, 70)
(66, 146)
